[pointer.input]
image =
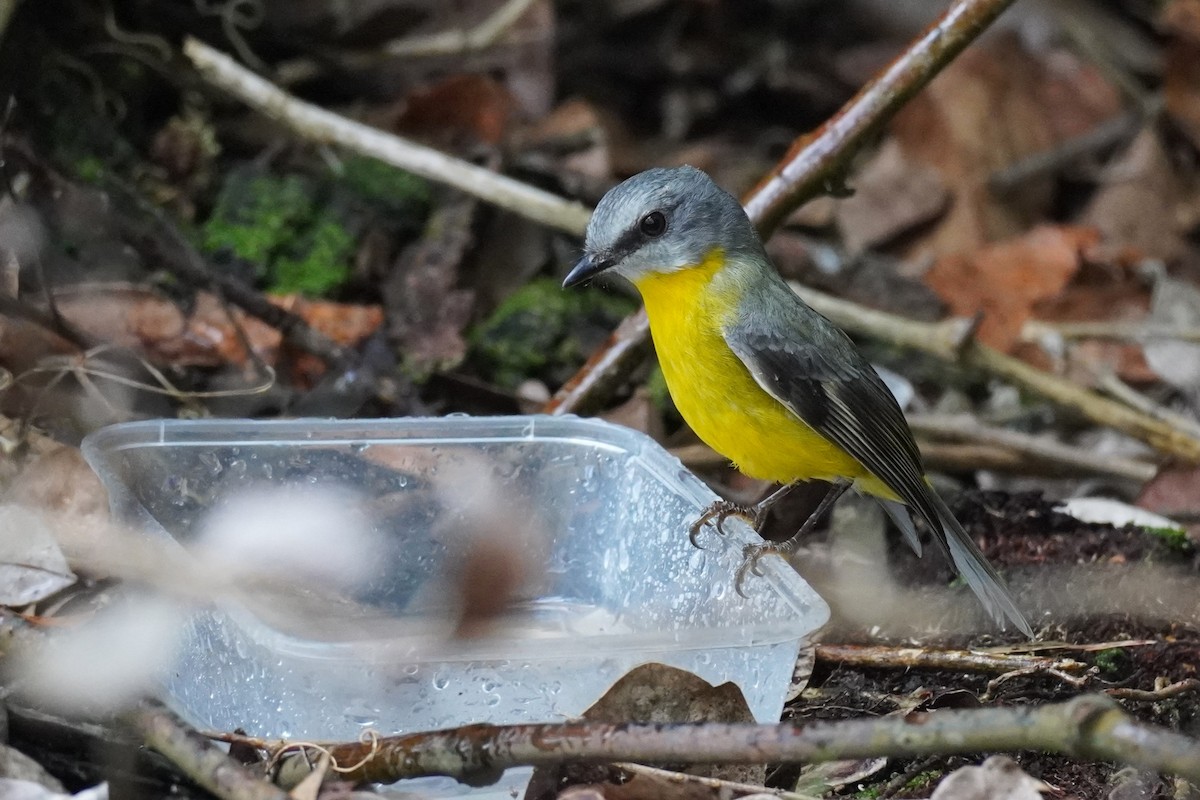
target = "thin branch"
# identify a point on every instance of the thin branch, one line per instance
(1034, 454)
(1118, 389)
(607, 368)
(817, 161)
(716, 786)
(1185, 686)
(320, 125)
(1051, 162)
(459, 41)
(883, 657)
(1119, 331)
(200, 759)
(813, 165)
(1090, 726)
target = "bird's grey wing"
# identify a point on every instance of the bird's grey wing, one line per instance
(808, 365)
(811, 367)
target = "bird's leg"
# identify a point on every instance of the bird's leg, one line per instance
(721, 510)
(753, 552)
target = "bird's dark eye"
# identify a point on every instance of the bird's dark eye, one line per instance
(653, 224)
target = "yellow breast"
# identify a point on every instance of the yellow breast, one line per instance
(714, 391)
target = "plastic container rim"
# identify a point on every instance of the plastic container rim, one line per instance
(306, 431)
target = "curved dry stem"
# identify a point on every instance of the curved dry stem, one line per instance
(1089, 726)
(320, 125)
(814, 164)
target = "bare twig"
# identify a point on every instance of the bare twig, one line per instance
(200, 759)
(969, 457)
(882, 657)
(459, 41)
(812, 166)
(1120, 331)
(607, 368)
(324, 126)
(1090, 726)
(1185, 686)
(1076, 681)
(1034, 455)
(1117, 388)
(719, 787)
(1105, 135)
(817, 161)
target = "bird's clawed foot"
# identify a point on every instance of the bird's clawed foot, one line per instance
(752, 553)
(720, 511)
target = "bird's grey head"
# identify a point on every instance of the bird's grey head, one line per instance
(662, 220)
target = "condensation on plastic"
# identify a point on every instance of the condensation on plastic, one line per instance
(618, 583)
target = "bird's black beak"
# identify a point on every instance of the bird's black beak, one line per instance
(587, 267)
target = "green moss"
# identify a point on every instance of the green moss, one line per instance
(1175, 539)
(90, 169)
(257, 216)
(385, 185)
(922, 780)
(543, 332)
(1112, 663)
(324, 265)
(284, 227)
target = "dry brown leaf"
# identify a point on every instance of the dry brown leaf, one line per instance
(61, 482)
(574, 120)
(1137, 205)
(1181, 18)
(156, 328)
(24, 343)
(459, 110)
(344, 323)
(657, 693)
(427, 312)
(993, 106)
(1181, 70)
(1174, 492)
(892, 196)
(1003, 281)
(1106, 288)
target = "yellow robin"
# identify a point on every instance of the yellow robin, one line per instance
(760, 376)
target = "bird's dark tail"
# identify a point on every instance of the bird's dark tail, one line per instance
(983, 579)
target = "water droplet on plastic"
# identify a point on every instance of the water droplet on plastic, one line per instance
(211, 460)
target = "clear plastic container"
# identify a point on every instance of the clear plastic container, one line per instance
(603, 509)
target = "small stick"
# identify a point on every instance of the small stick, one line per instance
(816, 161)
(326, 127)
(813, 165)
(1154, 695)
(1053, 457)
(1089, 726)
(721, 788)
(200, 759)
(881, 657)
(458, 41)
